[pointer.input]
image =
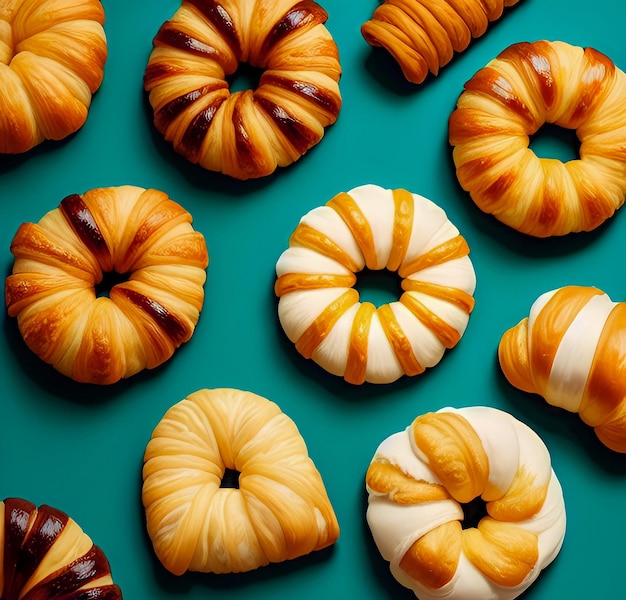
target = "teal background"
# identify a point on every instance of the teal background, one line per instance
(79, 448)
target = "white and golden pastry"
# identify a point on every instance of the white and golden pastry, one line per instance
(45, 554)
(424, 482)
(375, 228)
(52, 57)
(139, 234)
(277, 508)
(423, 35)
(244, 134)
(571, 350)
(507, 101)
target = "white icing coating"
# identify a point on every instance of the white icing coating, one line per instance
(508, 443)
(299, 307)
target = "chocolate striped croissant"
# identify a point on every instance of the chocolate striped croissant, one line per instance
(423, 35)
(46, 555)
(571, 350)
(244, 134)
(426, 485)
(52, 57)
(229, 486)
(140, 234)
(371, 227)
(507, 101)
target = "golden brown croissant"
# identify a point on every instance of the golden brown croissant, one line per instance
(52, 57)
(423, 35)
(425, 482)
(139, 233)
(248, 133)
(47, 555)
(571, 350)
(530, 84)
(278, 509)
(321, 312)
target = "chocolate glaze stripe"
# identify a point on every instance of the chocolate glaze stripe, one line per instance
(319, 97)
(302, 14)
(169, 36)
(104, 592)
(194, 135)
(296, 132)
(84, 225)
(168, 322)
(220, 18)
(17, 518)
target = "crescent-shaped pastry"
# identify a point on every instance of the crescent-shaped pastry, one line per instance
(571, 350)
(276, 510)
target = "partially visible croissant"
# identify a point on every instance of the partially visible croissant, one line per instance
(423, 35)
(571, 350)
(52, 57)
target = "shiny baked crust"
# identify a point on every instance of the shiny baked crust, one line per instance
(45, 555)
(570, 350)
(423, 35)
(421, 482)
(507, 101)
(244, 134)
(52, 56)
(139, 233)
(371, 227)
(279, 509)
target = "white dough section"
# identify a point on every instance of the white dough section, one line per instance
(382, 363)
(456, 273)
(533, 453)
(296, 311)
(450, 313)
(297, 259)
(427, 348)
(332, 352)
(574, 356)
(537, 307)
(328, 222)
(378, 208)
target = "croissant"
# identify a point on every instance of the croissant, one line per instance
(244, 134)
(570, 350)
(229, 486)
(46, 555)
(52, 57)
(507, 101)
(465, 505)
(423, 35)
(321, 312)
(139, 234)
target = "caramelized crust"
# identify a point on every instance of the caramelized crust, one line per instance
(507, 101)
(47, 555)
(423, 35)
(141, 234)
(279, 509)
(571, 352)
(52, 57)
(245, 134)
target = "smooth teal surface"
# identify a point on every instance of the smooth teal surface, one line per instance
(80, 448)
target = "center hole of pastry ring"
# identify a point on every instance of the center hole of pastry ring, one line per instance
(230, 479)
(473, 512)
(246, 77)
(379, 287)
(554, 141)
(109, 280)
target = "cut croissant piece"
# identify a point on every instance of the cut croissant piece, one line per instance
(278, 508)
(144, 237)
(371, 227)
(424, 483)
(47, 555)
(244, 134)
(507, 101)
(423, 35)
(571, 350)
(52, 57)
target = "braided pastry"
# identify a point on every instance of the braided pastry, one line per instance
(47, 555)
(134, 232)
(320, 311)
(245, 134)
(197, 520)
(571, 350)
(425, 482)
(530, 84)
(423, 35)
(52, 57)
